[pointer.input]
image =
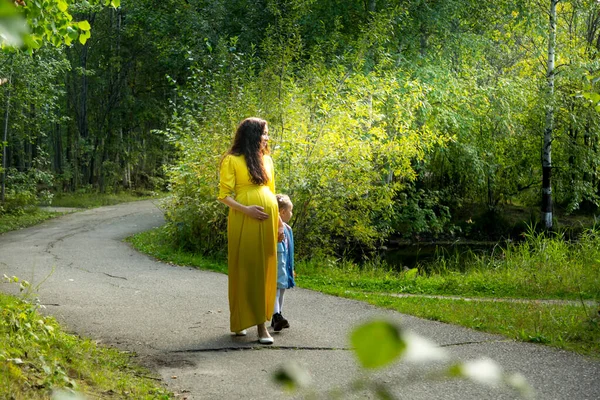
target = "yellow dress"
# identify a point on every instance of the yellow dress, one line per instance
(251, 244)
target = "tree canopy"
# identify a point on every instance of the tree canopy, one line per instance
(386, 117)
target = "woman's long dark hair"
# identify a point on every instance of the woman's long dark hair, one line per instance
(247, 142)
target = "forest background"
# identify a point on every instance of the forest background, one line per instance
(388, 119)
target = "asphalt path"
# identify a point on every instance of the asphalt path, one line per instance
(176, 320)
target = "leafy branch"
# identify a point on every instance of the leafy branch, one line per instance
(380, 343)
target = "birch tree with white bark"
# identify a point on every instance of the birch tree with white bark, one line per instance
(547, 144)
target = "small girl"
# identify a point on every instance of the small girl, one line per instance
(285, 262)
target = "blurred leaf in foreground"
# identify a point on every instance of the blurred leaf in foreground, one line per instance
(377, 343)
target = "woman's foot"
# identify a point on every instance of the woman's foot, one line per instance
(241, 333)
(263, 335)
(265, 340)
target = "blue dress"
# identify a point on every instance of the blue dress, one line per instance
(285, 260)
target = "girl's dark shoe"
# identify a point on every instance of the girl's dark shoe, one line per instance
(278, 322)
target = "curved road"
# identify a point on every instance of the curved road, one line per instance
(176, 320)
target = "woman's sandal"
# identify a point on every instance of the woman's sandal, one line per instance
(241, 333)
(265, 340)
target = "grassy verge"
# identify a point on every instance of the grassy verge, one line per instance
(539, 268)
(9, 222)
(37, 357)
(90, 200)
(155, 244)
(569, 327)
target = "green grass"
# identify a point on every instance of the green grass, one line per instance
(90, 200)
(9, 222)
(155, 244)
(538, 268)
(37, 357)
(570, 327)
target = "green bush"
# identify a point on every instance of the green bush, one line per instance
(343, 141)
(420, 211)
(25, 190)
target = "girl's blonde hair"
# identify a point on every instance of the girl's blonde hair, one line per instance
(283, 201)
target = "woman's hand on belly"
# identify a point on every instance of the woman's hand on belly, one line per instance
(256, 212)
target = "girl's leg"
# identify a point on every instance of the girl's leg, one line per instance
(280, 294)
(278, 302)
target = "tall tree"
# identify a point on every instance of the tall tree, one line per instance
(548, 130)
(7, 82)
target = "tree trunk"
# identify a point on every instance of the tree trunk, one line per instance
(92, 166)
(58, 149)
(32, 142)
(82, 122)
(84, 158)
(5, 139)
(101, 173)
(547, 146)
(372, 6)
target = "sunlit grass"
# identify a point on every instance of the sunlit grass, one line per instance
(155, 244)
(539, 267)
(569, 327)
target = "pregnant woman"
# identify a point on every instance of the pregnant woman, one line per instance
(247, 187)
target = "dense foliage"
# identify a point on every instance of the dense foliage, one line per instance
(386, 116)
(80, 114)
